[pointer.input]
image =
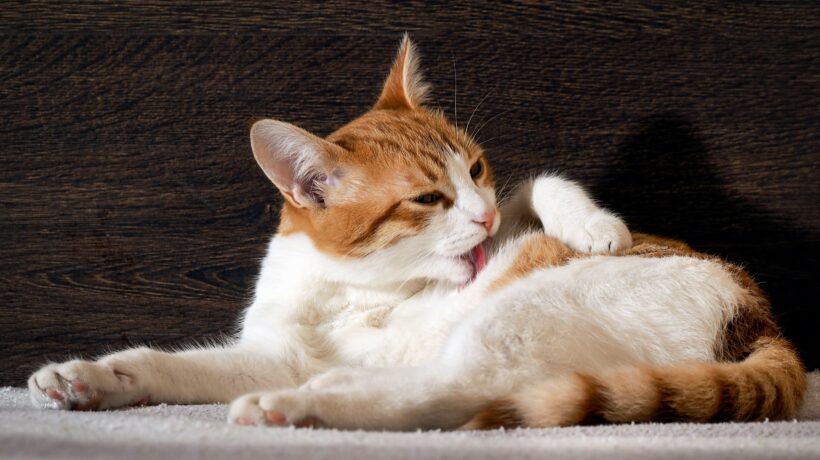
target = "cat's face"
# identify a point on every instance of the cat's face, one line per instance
(399, 190)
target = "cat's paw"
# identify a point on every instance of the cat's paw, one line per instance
(601, 233)
(566, 212)
(81, 385)
(274, 408)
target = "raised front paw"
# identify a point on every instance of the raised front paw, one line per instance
(566, 212)
(601, 233)
(82, 385)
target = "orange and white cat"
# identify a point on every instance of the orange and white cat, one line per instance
(383, 303)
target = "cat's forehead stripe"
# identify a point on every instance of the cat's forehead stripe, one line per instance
(435, 157)
(429, 173)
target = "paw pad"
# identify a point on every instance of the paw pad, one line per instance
(79, 387)
(244, 421)
(274, 417)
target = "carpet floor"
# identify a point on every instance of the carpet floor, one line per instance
(182, 432)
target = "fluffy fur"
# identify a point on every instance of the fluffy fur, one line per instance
(383, 303)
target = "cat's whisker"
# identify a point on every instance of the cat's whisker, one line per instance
(418, 258)
(485, 123)
(501, 197)
(401, 286)
(455, 92)
(503, 136)
(467, 128)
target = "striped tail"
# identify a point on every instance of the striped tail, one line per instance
(769, 383)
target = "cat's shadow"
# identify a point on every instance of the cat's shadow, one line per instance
(663, 183)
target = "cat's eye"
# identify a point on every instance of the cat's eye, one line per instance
(476, 168)
(428, 198)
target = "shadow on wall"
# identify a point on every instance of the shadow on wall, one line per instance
(663, 183)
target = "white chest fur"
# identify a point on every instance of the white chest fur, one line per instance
(307, 301)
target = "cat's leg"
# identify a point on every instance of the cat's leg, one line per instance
(484, 359)
(143, 375)
(566, 212)
(406, 398)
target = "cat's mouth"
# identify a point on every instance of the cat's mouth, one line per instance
(477, 258)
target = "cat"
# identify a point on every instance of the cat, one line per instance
(394, 296)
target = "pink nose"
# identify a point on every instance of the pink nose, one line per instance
(486, 220)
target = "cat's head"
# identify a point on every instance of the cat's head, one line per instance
(399, 190)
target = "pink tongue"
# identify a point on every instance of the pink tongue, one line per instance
(479, 258)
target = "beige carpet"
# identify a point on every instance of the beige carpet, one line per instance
(182, 432)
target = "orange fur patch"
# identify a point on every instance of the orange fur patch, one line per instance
(538, 251)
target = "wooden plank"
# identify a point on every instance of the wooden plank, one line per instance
(510, 20)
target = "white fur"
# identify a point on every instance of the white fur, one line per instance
(390, 340)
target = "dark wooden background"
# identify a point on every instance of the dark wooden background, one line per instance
(131, 210)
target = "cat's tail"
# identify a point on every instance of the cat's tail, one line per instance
(769, 383)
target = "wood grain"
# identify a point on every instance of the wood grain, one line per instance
(511, 19)
(131, 210)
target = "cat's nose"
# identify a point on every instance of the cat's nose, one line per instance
(487, 219)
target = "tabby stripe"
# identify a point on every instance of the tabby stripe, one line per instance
(434, 158)
(755, 401)
(374, 226)
(728, 406)
(595, 403)
(429, 173)
(498, 414)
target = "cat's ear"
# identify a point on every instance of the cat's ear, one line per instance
(297, 162)
(404, 87)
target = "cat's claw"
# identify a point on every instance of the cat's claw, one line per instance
(602, 233)
(605, 233)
